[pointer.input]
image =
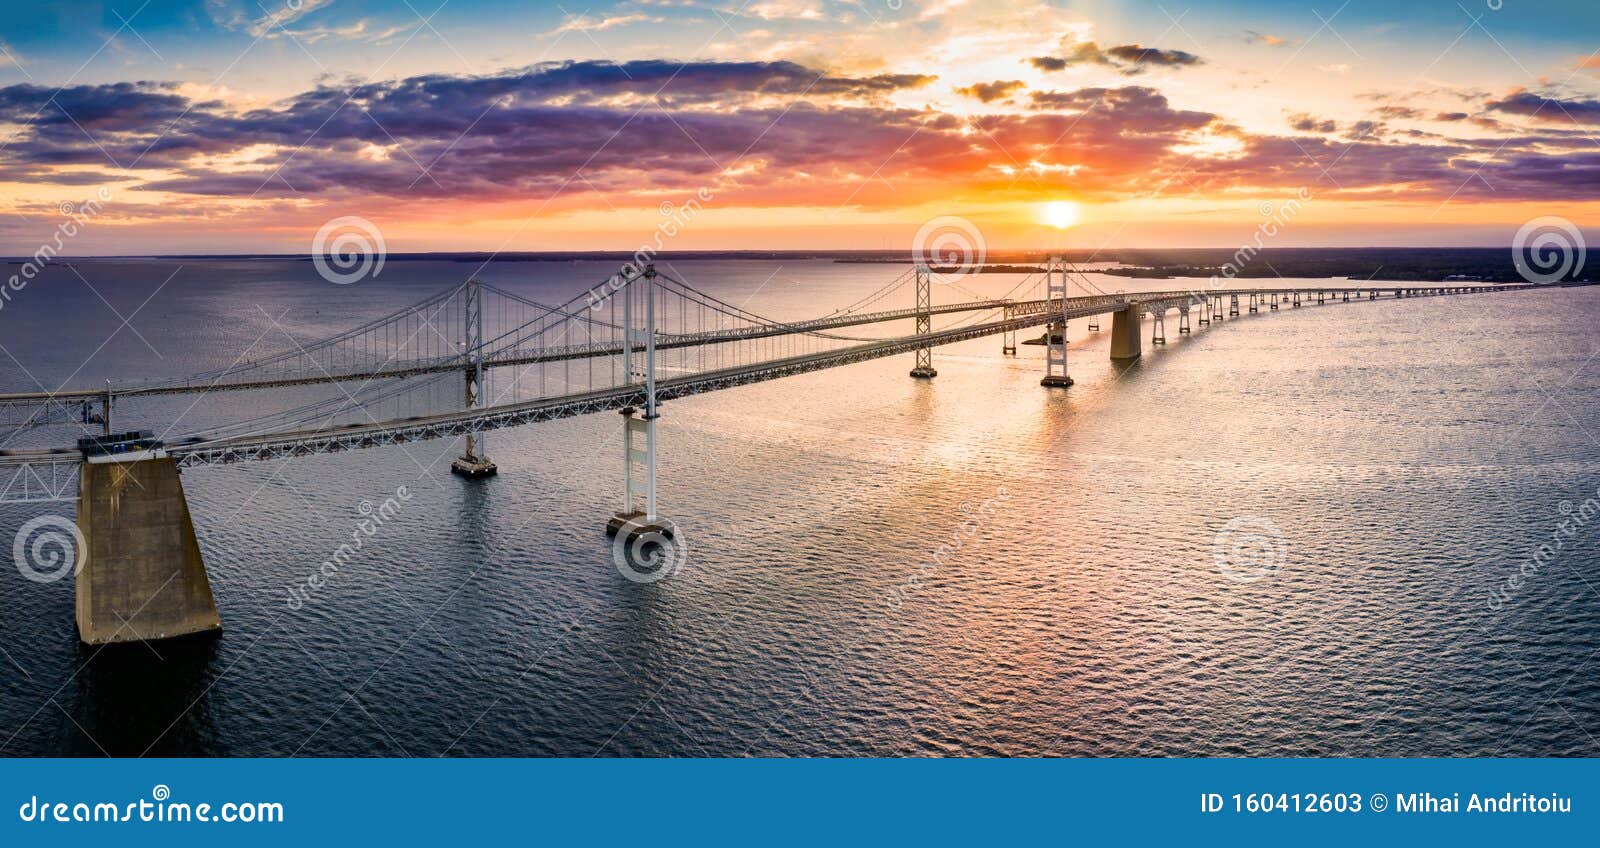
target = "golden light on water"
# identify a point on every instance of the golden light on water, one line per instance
(1060, 214)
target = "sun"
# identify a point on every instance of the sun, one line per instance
(1060, 214)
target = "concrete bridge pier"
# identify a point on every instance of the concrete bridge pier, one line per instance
(1274, 304)
(1158, 326)
(1255, 303)
(1125, 342)
(142, 576)
(1233, 306)
(1183, 320)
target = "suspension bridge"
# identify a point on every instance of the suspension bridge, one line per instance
(478, 358)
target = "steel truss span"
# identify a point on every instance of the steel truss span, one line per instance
(639, 339)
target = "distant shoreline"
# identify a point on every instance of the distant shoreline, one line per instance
(1401, 264)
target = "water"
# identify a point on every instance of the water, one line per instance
(1411, 455)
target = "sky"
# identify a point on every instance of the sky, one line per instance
(234, 126)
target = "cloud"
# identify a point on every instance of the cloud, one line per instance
(1307, 123)
(582, 23)
(759, 133)
(1395, 113)
(1529, 105)
(362, 30)
(988, 92)
(1366, 130)
(1151, 56)
(258, 21)
(1129, 58)
(1253, 37)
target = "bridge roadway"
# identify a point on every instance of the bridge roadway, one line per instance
(1081, 307)
(1020, 315)
(499, 359)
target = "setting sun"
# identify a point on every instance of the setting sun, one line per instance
(1060, 214)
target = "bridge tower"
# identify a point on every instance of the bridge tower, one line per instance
(638, 517)
(924, 367)
(1055, 333)
(474, 462)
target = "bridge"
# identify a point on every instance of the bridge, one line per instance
(637, 340)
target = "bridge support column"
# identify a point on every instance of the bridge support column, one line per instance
(142, 576)
(1008, 343)
(1296, 302)
(1274, 305)
(1055, 335)
(1321, 298)
(474, 462)
(638, 517)
(1125, 342)
(1183, 320)
(1205, 310)
(1158, 327)
(923, 370)
(1216, 308)
(1233, 306)
(1346, 297)
(1255, 303)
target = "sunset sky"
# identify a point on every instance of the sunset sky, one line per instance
(241, 126)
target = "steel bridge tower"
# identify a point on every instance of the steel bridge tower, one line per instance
(1055, 334)
(924, 367)
(474, 462)
(638, 516)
